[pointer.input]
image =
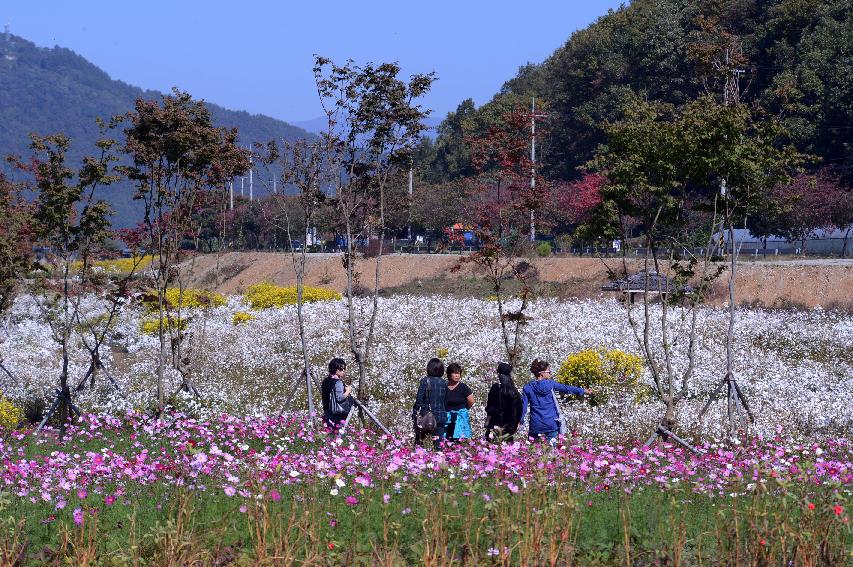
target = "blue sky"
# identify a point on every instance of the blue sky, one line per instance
(257, 56)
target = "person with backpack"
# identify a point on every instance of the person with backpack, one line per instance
(337, 396)
(538, 396)
(460, 398)
(429, 412)
(503, 407)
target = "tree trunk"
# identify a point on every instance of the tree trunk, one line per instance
(300, 285)
(161, 362)
(65, 395)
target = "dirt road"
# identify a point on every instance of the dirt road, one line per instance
(774, 283)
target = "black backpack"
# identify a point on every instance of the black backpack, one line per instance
(331, 401)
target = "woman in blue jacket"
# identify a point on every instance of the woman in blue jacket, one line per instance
(538, 397)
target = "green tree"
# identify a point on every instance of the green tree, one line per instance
(73, 225)
(451, 154)
(664, 167)
(176, 155)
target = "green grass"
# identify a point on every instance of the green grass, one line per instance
(441, 519)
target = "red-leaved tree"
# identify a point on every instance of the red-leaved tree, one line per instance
(808, 203)
(503, 199)
(574, 201)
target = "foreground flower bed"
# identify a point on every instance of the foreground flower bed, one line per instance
(368, 496)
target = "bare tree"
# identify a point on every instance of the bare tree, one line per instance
(305, 166)
(373, 126)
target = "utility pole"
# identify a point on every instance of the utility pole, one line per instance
(411, 184)
(731, 89)
(231, 195)
(533, 117)
(251, 193)
(735, 400)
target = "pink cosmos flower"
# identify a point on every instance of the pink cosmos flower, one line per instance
(351, 500)
(78, 516)
(230, 490)
(109, 499)
(275, 496)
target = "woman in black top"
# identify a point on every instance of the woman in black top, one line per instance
(460, 398)
(503, 407)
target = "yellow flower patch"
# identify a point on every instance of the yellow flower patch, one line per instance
(602, 369)
(10, 414)
(241, 317)
(266, 295)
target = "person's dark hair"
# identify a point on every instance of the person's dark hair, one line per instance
(508, 387)
(435, 367)
(453, 368)
(336, 364)
(538, 367)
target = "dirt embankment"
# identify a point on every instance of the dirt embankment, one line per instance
(770, 284)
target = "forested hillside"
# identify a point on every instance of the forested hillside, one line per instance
(796, 58)
(56, 90)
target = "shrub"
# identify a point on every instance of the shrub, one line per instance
(266, 295)
(188, 298)
(152, 326)
(124, 265)
(193, 298)
(607, 370)
(564, 241)
(34, 409)
(543, 249)
(241, 317)
(118, 266)
(10, 414)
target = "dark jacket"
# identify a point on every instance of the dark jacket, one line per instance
(537, 395)
(437, 398)
(333, 386)
(504, 408)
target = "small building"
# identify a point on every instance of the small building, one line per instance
(643, 282)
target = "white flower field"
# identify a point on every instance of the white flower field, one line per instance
(795, 367)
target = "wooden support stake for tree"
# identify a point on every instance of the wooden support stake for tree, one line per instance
(664, 433)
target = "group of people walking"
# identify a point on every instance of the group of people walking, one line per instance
(441, 408)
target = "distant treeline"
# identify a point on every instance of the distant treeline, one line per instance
(796, 58)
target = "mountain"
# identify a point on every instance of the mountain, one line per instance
(55, 90)
(795, 59)
(319, 124)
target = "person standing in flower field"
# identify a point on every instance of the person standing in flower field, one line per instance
(460, 398)
(503, 407)
(337, 400)
(538, 396)
(429, 412)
